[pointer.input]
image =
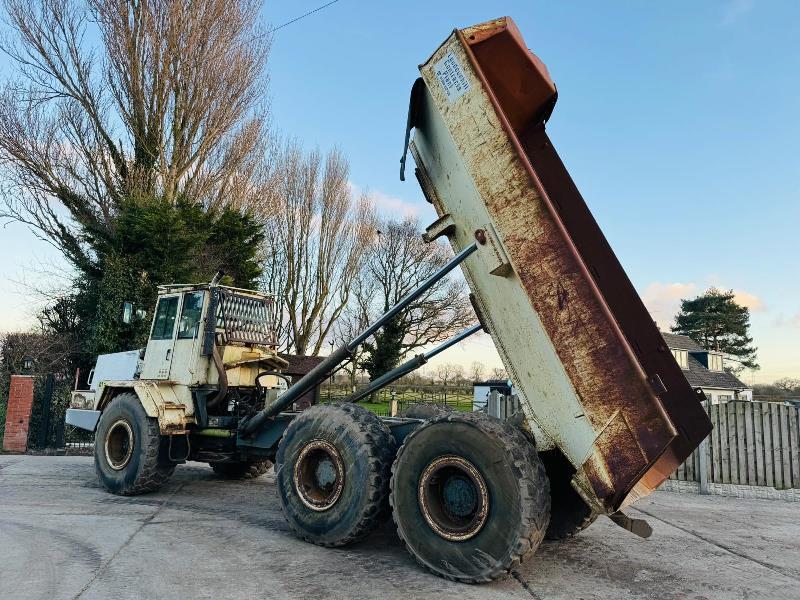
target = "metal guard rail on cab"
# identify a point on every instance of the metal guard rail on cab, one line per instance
(342, 353)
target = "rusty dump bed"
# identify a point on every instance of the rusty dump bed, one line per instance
(594, 375)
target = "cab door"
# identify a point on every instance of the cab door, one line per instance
(186, 351)
(160, 347)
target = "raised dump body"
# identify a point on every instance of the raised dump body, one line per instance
(594, 375)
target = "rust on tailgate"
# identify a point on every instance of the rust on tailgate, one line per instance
(646, 416)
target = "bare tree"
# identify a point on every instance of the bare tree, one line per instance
(400, 262)
(449, 373)
(355, 318)
(499, 373)
(49, 352)
(318, 236)
(166, 103)
(477, 370)
(788, 384)
(445, 372)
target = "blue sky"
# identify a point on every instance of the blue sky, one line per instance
(677, 120)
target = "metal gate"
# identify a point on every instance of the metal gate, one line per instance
(47, 431)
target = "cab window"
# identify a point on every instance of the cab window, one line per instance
(190, 315)
(165, 318)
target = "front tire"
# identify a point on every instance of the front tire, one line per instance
(470, 496)
(129, 456)
(333, 468)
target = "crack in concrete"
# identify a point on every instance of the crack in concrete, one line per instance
(525, 586)
(766, 565)
(104, 567)
(9, 463)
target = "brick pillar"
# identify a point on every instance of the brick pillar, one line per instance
(20, 400)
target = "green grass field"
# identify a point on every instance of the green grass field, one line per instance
(459, 399)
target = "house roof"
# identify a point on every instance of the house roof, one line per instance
(681, 342)
(300, 365)
(698, 375)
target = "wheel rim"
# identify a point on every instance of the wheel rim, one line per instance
(453, 498)
(319, 475)
(119, 444)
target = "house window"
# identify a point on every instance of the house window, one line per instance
(715, 362)
(682, 356)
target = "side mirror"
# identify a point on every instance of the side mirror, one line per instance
(127, 312)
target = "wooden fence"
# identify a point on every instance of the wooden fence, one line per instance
(752, 443)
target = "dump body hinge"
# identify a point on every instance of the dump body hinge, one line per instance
(444, 225)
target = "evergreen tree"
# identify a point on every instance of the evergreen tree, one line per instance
(385, 353)
(155, 242)
(716, 322)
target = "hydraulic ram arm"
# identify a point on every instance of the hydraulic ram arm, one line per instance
(338, 356)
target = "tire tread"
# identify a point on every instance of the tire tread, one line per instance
(155, 471)
(379, 443)
(529, 471)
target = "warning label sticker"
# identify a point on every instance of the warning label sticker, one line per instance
(452, 77)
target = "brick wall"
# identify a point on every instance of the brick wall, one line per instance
(20, 400)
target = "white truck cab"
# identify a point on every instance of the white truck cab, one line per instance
(202, 338)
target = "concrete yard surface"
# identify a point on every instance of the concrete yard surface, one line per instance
(62, 536)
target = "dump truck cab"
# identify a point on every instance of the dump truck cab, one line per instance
(191, 321)
(206, 342)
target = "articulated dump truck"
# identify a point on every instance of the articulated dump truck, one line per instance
(606, 417)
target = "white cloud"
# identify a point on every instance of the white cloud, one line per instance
(663, 300)
(792, 321)
(387, 205)
(391, 205)
(751, 301)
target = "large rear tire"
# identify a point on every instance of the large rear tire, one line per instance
(333, 468)
(243, 469)
(470, 496)
(129, 453)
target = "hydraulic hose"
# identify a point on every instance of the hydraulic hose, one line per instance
(223, 380)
